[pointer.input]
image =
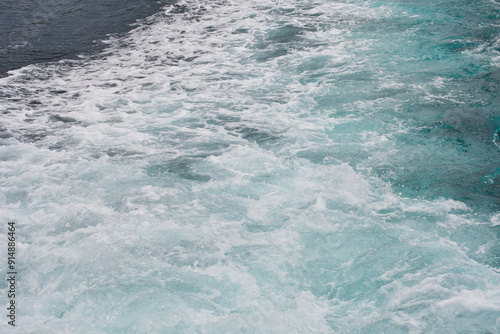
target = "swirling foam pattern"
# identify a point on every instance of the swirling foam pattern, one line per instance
(262, 167)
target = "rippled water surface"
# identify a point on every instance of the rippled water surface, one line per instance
(262, 167)
(36, 31)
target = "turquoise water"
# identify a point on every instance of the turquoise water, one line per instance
(262, 167)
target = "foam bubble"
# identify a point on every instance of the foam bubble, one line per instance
(240, 166)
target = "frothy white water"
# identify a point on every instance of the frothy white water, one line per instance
(223, 168)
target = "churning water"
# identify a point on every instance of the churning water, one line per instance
(261, 167)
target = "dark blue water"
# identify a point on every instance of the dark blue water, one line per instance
(49, 30)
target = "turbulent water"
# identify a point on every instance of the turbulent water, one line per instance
(261, 167)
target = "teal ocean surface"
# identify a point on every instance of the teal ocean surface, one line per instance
(262, 166)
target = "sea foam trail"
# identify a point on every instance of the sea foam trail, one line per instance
(239, 166)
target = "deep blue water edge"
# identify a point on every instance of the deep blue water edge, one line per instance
(49, 30)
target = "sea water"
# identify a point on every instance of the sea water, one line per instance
(35, 31)
(261, 166)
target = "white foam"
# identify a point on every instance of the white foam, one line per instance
(202, 187)
(474, 300)
(495, 220)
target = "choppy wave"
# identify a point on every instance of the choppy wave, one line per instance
(262, 166)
